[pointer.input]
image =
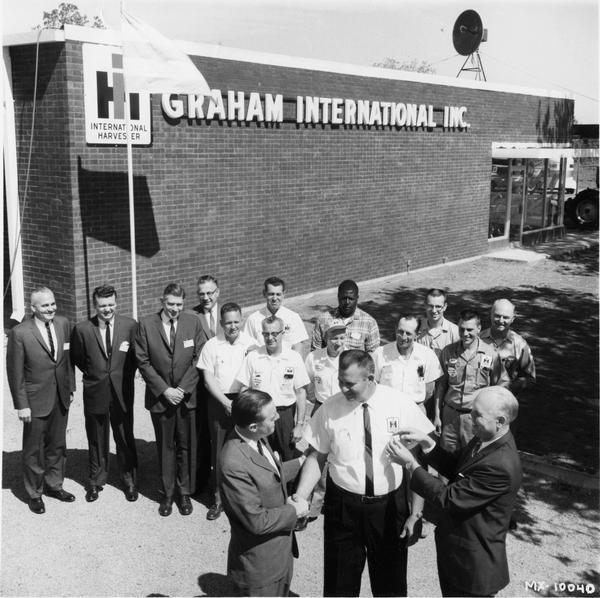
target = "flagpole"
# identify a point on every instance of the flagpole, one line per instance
(131, 197)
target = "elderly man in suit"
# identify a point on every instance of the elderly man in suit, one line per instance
(476, 504)
(41, 382)
(103, 349)
(253, 491)
(167, 346)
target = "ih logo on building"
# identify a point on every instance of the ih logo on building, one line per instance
(105, 102)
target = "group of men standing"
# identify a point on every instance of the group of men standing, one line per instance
(357, 404)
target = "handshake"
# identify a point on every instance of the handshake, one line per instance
(300, 504)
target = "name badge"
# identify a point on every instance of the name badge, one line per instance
(288, 373)
(355, 335)
(124, 346)
(485, 361)
(188, 343)
(66, 346)
(393, 425)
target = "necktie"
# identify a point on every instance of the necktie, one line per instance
(172, 334)
(264, 452)
(369, 490)
(211, 323)
(108, 341)
(50, 339)
(476, 447)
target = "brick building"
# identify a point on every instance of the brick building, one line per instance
(353, 172)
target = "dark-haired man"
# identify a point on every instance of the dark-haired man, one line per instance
(167, 347)
(253, 488)
(220, 360)
(366, 508)
(103, 348)
(41, 381)
(294, 334)
(469, 365)
(362, 331)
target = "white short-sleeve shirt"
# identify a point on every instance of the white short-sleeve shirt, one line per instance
(224, 360)
(337, 429)
(323, 373)
(294, 330)
(279, 375)
(410, 375)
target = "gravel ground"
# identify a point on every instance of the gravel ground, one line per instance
(115, 548)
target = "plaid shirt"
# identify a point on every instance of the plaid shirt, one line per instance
(362, 331)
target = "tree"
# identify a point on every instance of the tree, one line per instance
(68, 14)
(407, 65)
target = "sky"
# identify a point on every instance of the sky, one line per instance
(547, 44)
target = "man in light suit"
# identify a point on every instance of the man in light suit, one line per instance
(42, 383)
(476, 504)
(167, 346)
(253, 491)
(103, 349)
(207, 312)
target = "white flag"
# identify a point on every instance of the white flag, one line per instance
(153, 64)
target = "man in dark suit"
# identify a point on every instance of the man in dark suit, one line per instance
(262, 518)
(207, 312)
(42, 383)
(103, 349)
(476, 504)
(167, 346)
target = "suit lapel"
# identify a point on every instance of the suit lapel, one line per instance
(98, 335)
(256, 457)
(468, 460)
(161, 330)
(38, 336)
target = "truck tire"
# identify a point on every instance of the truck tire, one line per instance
(582, 210)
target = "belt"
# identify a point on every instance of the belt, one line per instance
(458, 409)
(284, 407)
(363, 498)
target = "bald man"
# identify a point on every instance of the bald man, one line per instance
(518, 367)
(475, 505)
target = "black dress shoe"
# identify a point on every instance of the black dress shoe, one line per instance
(36, 505)
(92, 493)
(214, 512)
(166, 507)
(185, 504)
(60, 494)
(131, 493)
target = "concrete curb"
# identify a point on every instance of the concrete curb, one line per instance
(572, 477)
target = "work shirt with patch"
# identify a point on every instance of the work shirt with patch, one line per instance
(465, 376)
(515, 355)
(337, 429)
(279, 375)
(407, 374)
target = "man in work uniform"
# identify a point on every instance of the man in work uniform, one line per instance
(408, 366)
(518, 367)
(468, 364)
(279, 371)
(435, 331)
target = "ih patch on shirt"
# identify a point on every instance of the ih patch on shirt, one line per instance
(393, 425)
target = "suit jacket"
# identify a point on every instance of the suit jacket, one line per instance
(99, 372)
(34, 378)
(476, 506)
(162, 368)
(197, 311)
(262, 524)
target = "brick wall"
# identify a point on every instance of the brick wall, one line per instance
(313, 204)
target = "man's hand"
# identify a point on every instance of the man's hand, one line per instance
(297, 432)
(437, 422)
(300, 504)
(411, 437)
(412, 529)
(173, 395)
(24, 415)
(227, 406)
(399, 453)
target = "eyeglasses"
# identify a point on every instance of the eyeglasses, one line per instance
(273, 334)
(207, 294)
